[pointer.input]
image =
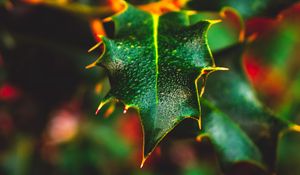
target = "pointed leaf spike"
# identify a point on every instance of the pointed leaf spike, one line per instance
(90, 65)
(124, 3)
(102, 104)
(101, 55)
(200, 122)
(143, 162)
(94, 47)
(295, 128)
(212, 22)
(125, 109)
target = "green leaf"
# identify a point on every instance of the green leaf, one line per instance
(154, 64)
(239, 126)
(288, 155)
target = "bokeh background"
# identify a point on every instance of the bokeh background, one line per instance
(48, 99)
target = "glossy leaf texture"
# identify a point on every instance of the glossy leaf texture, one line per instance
(238, 125)
(154, 64)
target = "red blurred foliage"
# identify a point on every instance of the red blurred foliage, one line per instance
(6, 123)
(131, 130)
(130, 127)
(291, 14)
(265, 79)
(270, 80)
(253, 68)
(259, 26)
(8, 92)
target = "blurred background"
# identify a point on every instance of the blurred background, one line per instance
(48, 99)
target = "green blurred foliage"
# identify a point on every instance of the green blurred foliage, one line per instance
(288, 154)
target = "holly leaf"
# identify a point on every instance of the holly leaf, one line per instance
(154, 64)
(238, 125)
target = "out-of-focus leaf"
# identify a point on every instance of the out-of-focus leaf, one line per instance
(247, 8)
(99, 148)
(199, 170)
(153, 63)
(228, 32)
(288, 158)
(239, 126)
(15, 161)
(272, 61)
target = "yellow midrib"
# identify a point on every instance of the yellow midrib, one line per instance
(155, 35)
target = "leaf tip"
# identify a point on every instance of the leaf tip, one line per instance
(191, 12)
(102, 41)
(213, 69)
(200, 137)
(95, 46)
(212, 22)
(143, 161)
(102, 103)
(220, 68)
(120, 7)
(108, 19)
(200, 123)
(90, 65)
(99, 107)
(126, 109)
(295, 128)
(97, 111)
